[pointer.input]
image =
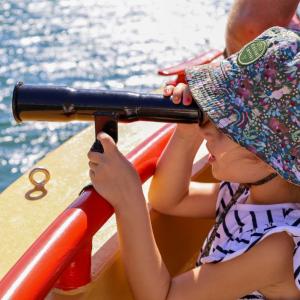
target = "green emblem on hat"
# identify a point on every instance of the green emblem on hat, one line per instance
(252, 52)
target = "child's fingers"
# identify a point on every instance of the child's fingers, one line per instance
(187, 96)
(178, 92)
(92, 166)
(107, 142)
(168, 90)
(94, 157)
(92, 174)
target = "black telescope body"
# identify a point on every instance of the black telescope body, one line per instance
(64, 104)
(105, 108)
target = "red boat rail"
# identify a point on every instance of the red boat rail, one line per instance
(61, 256)
(205, 57)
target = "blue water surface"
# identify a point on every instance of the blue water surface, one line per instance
(91, 44)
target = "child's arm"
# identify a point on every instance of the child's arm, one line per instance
(171, 190)
(115, 179)
(266, 264)
(266, 267)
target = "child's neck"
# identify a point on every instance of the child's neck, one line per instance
(274, 192)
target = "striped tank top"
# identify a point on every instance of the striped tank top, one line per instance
(245, 225)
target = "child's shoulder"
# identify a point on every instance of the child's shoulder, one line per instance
(270, 257)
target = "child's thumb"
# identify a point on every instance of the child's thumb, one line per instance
(107, 142)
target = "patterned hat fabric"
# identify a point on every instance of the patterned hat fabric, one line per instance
(254, 97)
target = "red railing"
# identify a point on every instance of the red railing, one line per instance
(61, 256)
(204, 57)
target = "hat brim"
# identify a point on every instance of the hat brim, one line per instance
(206, 83)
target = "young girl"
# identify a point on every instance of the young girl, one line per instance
(252, 133)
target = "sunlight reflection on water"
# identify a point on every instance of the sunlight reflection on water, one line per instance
(95, 44)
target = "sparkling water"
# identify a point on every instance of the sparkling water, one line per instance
(91, 44)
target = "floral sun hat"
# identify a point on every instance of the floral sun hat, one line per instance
(254, 97)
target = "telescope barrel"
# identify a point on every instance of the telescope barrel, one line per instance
(64, 104)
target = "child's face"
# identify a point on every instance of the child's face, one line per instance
(230, 161)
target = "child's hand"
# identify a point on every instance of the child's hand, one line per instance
(182, 93)
(112, 175)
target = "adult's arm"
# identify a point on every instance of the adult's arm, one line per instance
(249, 18)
